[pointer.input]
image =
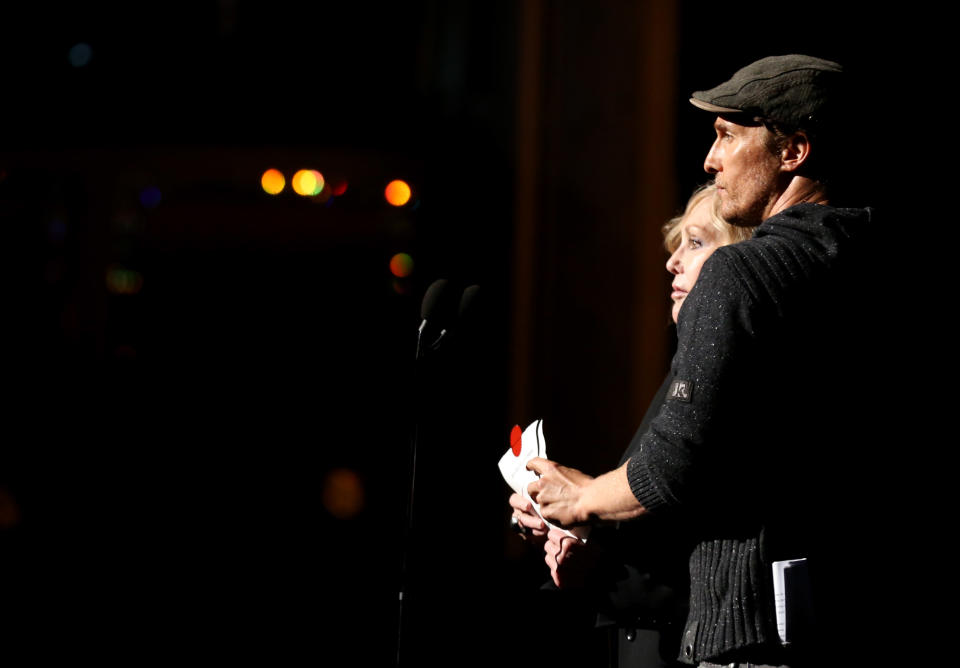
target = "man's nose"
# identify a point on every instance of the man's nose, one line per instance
(711, 165)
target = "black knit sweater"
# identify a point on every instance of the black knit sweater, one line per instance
(736, 445)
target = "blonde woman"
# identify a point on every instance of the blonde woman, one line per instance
(640, 591)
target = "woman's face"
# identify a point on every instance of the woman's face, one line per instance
(698, 239)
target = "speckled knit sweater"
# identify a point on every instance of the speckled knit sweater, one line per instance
(756, 336)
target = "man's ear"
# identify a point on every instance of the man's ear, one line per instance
(795, 152)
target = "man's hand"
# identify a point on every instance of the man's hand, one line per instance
(558, 491)
(569, 498)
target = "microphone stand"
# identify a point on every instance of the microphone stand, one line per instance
(408, 530)
(437, 307)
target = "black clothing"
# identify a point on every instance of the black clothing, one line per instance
(642, 585)
(752, 441)
(638, 589)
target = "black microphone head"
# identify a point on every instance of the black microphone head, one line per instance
(467, 300)
(432, 298)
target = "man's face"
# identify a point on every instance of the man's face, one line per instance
(745, 170)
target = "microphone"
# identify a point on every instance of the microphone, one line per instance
(431, 300)
(436, 310)
(467, 313)
(467, 301)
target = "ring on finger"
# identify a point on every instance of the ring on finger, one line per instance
(519, 526)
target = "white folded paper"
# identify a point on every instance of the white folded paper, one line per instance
(513, 464)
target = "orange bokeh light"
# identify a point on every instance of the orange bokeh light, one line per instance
(272, 182)
(397, 192)
(343, 493)
(401, 265)
(307, 182)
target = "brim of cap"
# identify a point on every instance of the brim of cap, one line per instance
(716, 108)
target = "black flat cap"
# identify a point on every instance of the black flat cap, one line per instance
(794, 90)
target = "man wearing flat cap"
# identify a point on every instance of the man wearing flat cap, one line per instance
(751, 451)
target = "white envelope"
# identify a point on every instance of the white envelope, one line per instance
(513, 466)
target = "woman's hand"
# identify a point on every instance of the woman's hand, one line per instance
(570, 561)
(526, 517)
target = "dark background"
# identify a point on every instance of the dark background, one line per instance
(168, 454)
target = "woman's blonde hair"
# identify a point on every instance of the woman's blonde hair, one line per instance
(671, 229)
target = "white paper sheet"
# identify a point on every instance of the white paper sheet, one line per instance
(513, 465)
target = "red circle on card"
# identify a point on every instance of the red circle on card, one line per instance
(516, 440)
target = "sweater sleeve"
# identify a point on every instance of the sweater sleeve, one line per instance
(748, 296)
(716, 326)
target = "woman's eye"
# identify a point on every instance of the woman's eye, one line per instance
(695, 243)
